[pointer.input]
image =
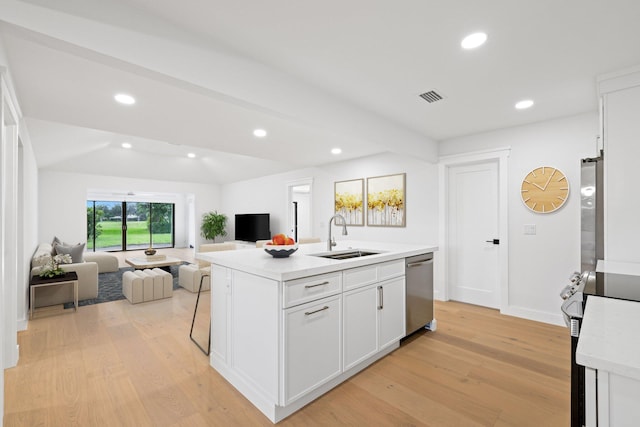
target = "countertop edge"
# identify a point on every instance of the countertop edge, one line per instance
(258, 262)
(608, 337)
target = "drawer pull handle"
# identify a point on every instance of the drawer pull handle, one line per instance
(308, 313)
(313, 286)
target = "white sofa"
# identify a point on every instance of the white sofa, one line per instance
(87, 279)
(107, 263)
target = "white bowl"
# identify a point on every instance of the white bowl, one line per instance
(280, 251)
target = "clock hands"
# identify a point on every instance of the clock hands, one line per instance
(546, 183)
(533, 183)
(549, 180)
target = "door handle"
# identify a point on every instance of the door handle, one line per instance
(494, 241)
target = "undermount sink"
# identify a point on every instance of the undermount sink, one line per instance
(355, 253)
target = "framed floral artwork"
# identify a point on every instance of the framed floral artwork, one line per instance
(386, 201)
(349, 200)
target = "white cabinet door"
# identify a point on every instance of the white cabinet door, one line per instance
(622, 131)
(360, 325)
(391, 311)
(312, 342)
(374, 317)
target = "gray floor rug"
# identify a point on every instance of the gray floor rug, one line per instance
(110, 286)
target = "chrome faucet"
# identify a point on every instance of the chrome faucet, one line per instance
(331, 241)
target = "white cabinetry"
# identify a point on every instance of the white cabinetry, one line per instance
(312, 343)
(391, 312)
(611, 399)
(311, 288)
(620, 95)
(374, 310)
(360, 320)
(284, 343)
(608, 348)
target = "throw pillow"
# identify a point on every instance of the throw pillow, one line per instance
(57, 241)
(76, 252)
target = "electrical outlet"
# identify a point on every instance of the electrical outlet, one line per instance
(530, 229)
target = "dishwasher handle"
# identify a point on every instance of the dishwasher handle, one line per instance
(419, 263)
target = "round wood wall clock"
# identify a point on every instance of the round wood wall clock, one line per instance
(545, 189)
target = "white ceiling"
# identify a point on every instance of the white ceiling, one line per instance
(315, 75)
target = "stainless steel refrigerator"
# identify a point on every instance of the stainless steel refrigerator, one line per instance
(592, 212)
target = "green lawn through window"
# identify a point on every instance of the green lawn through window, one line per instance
(137, 234)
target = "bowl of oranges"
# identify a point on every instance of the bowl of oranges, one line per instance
(280, 246)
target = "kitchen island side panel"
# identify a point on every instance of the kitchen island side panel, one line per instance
(255, 331)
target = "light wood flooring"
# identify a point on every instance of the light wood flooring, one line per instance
(117, 364)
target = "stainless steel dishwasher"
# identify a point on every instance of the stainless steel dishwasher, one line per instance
(419, 279)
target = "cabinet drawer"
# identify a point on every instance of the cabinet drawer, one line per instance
(390, 269)
(311, 288)
(360, 276)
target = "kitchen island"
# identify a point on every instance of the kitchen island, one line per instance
(284, 331)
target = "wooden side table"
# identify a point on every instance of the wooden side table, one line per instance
(71, 277)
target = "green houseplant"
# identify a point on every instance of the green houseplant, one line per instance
(213, 225)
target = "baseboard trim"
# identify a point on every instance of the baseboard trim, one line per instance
(538, 316)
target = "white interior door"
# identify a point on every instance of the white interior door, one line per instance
(300, 192)
(473, 261)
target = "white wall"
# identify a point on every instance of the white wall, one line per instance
(63, 196)
(29, 233)
(540, 264)
(269, 194)
(22, 219)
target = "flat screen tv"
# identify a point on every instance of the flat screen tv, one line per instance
(252, 227)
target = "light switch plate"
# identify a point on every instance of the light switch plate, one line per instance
(530, 229)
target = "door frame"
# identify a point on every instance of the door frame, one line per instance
(289, 188)
(501, 155)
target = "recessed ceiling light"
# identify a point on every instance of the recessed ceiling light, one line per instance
(524, 104)
(260, 133)
(123, 98)
(126, 145)
(191, 155)
(474, 40)
(336, 151)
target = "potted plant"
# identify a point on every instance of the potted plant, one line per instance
(213, 225)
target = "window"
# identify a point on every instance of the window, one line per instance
(115, 226)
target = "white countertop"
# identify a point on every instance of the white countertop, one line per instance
(616, 267)
(610, 336)
(301, 264)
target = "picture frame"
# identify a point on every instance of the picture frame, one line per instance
(348, 197)
(386, 201)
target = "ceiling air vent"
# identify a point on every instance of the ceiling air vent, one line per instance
(431, 96)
